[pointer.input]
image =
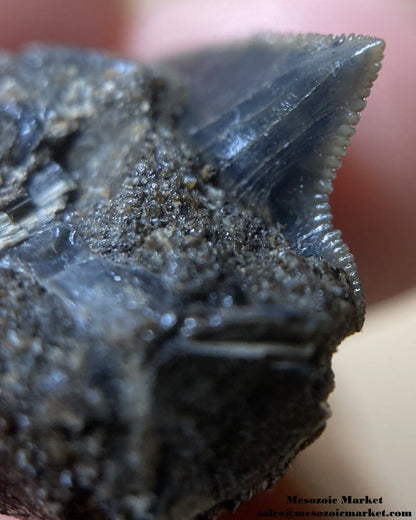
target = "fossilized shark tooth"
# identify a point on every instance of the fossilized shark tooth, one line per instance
(172, 287)
(277, 135)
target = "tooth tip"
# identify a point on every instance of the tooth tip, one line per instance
(372, 47)
(376, 50)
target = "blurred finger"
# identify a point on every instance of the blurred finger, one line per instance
(94, 23)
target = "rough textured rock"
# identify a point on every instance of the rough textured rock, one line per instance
(167, 319)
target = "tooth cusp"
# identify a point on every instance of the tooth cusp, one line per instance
(298, 102)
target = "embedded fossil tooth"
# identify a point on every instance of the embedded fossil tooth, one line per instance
(276, 115)
(166, 335)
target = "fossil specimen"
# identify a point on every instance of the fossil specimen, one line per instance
(172, 289)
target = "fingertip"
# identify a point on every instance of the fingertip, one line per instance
(93, 24)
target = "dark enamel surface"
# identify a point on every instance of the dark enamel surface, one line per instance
(276, 116)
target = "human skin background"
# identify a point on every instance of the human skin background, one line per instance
(375, 192)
